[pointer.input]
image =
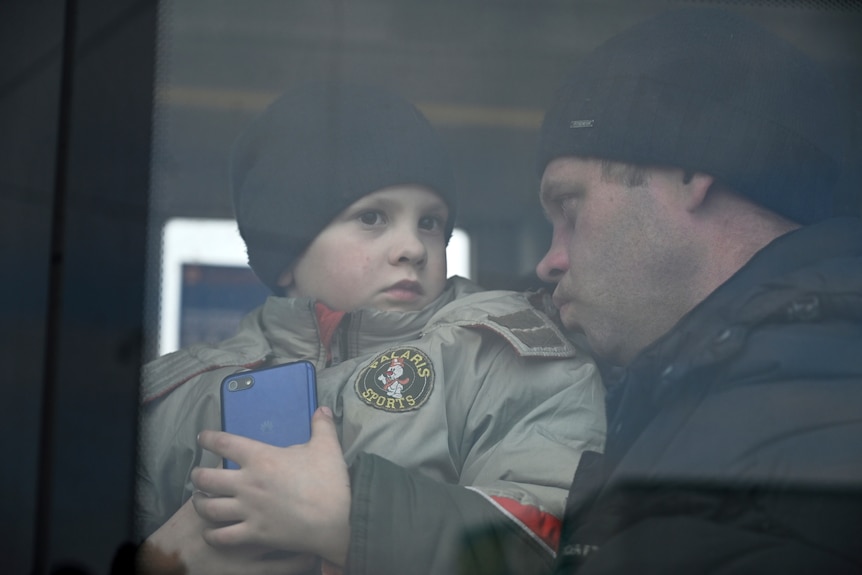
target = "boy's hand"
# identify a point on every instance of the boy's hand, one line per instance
(292, 498)
(178, 548)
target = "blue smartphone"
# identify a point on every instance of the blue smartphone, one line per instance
(273, 405)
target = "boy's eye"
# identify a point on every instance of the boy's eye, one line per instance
(371, 218)
(430, 223)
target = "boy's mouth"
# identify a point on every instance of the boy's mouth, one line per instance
(405, 290)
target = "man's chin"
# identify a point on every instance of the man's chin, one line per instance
(568, 319)
(607, 351)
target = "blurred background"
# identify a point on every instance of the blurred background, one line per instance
(482, 72)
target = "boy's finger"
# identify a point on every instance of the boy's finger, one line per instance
(227, 445)
(227, 536)
(323, 427)
(217, 509)
(214, 482)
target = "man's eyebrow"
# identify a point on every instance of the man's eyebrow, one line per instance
(547, 191)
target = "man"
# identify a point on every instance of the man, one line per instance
(687, 170)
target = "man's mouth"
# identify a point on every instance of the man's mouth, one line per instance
(557, 299)
(563, 305)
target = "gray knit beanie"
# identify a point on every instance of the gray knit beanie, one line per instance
(706, 90)
(315, 151)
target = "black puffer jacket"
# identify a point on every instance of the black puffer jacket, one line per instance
(735, 445)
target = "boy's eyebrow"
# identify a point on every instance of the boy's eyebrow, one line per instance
(368, 202)
(365, 203)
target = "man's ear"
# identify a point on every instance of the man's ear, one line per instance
(285, 280)
(695, 186)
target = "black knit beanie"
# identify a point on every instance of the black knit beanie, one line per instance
(706, 90)
(315, 151)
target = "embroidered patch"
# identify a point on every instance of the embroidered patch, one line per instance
(397, 380)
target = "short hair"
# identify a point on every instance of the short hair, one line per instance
(628, 175)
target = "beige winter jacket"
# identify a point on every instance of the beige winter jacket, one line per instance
(496, 408)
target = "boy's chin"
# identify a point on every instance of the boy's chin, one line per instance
(402, 306)
(403, 303)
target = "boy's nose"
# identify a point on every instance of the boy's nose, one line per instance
(408, 248)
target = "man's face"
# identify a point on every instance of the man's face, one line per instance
(386, 251)
(618, 254)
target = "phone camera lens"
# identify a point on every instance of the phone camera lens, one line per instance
(233, 385)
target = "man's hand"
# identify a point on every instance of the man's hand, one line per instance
(178, 548)
(291, 498)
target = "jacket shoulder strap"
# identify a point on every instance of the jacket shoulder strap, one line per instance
(164, 374)
(519, 318)
(531, 333)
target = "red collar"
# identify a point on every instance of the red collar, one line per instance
(327, 320)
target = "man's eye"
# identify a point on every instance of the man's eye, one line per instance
(371, 218)
(568, 207)
(430, 223)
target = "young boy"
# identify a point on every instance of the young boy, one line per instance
(345, 200)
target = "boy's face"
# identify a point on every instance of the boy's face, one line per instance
(386, 251)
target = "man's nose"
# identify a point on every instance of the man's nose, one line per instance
(555, 264)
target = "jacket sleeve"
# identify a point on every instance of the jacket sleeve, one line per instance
(168, 449)
(526, 420)
(714, 529)
(758, 478)
(404, 522)
(527, 427)
(661, 545)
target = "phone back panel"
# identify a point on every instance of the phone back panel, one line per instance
(273, 405)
